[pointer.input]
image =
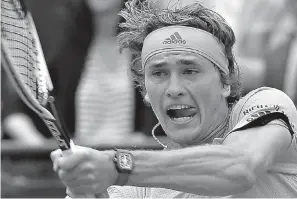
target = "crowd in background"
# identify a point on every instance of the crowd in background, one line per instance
(94, 93)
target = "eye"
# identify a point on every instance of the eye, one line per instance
(190, 71)
(159, 73)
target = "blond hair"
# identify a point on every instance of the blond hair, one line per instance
(142, 17)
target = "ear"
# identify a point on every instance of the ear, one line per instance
(226, 91)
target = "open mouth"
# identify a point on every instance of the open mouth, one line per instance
(181, 113)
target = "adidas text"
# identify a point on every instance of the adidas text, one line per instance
(175, 42)
(174, 39)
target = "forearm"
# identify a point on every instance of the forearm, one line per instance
(205, 170)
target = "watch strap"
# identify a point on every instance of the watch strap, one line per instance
(122, 179)
(123, 165)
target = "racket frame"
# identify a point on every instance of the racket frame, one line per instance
(55, 127)
(25, 94)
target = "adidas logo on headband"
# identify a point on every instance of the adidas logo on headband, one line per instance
(174, 39)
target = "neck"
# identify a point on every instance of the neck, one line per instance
(219, 129)
(216, 129)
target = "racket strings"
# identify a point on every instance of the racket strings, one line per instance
(16, 30)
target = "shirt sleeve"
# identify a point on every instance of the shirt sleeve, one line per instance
(113, 192)
(125, 192)
(262, 106)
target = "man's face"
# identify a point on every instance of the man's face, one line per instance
(185, 92)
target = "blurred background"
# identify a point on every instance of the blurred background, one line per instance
(96, 98)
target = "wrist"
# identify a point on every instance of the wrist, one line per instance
(123, 161)
(111, 154)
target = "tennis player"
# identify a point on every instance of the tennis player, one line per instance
(222, 144)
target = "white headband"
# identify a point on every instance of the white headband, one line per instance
(184, 38)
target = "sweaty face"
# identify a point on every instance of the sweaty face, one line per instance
(186, 94)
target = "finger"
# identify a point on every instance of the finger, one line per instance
(83, 180)
(55, 155)
(81, 174)
(83, 169)
(72, 195)
(76, 195)
(74, 173)
(89, 189)
(71, 161)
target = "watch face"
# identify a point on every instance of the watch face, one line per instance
(125, 161)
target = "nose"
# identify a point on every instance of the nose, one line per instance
(175, 88)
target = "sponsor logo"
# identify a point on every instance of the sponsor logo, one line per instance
(257, 115)
(262, 113)
(258, 107)
(175, 38)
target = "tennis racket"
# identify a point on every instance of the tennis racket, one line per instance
(24, 63)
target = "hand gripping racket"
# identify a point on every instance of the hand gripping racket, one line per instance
(23, 61)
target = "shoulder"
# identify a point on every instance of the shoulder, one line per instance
(264, 102)
(264, 98)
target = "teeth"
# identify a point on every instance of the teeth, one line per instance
(178, 106)
(181, 119)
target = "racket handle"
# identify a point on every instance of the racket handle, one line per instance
(68, 152)
(81, 196)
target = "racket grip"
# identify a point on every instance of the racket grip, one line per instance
(80, 196)
(69, 152)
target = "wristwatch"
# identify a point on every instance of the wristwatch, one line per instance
(124, 164)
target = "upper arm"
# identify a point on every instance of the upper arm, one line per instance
(260, 144)
(263, 126)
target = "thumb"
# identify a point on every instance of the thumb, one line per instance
(71, 161)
